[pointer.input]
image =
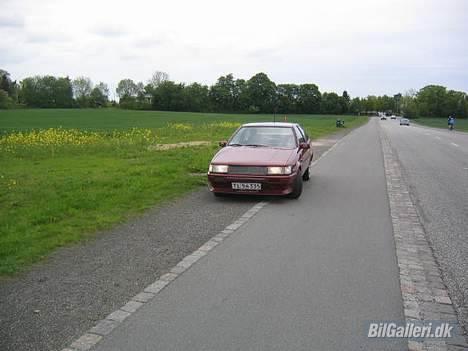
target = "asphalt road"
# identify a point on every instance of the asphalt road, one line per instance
(300, 275)
(81, 284)
(435, 164)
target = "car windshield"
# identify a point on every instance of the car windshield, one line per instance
(281, 137)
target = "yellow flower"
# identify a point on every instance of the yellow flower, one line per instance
(57, 137)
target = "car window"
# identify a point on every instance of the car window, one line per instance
(299, 134)
(306, 137)
(282, 137)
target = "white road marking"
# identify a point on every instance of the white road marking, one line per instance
(456, 145)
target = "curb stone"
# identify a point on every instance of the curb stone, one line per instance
(425, 297)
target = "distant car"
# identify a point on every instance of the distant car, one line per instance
(404, 122)
(393, 117)
(262, 159)
(383, 118)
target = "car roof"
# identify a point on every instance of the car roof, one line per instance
(270, 124)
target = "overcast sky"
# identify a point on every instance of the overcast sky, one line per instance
(363, 46)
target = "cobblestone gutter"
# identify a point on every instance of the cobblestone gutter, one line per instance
(425, 297)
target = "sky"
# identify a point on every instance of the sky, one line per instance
(367, 47)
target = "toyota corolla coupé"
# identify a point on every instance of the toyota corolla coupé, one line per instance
(264, 159)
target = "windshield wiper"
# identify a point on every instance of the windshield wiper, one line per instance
(251, 145)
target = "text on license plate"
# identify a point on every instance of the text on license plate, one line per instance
(247, 186)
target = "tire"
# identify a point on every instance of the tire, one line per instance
(306, 175)
(297, 191)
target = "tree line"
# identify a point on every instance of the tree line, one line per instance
(259, 94)
(51, 92)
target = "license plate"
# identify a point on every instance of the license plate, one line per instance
(247, 186)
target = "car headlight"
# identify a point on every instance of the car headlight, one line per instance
(279, 170)
(218, 169)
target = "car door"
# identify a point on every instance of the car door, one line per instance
(305, 153)
(310, 151)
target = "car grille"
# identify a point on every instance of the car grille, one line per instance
(247, 170)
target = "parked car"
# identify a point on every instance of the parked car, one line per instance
(262, 159)
(393, 117)
(383, 118)
(404, 122)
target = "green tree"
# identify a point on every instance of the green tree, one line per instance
(29, 91)
(224, 93)
(63, 92)
(99, 96)
(196, 97)
(141, 97)
(5, 101)
(156, 79)
(432, 101)
(104, 89)
(46, 91)
(240, 95)
(385, 103)
(345, 101)
(308, 98)
(331, 104)
(261, 92)
(456, 104)
(127, 91)
(408, 104)
(82, 87)
(397, 103)
(126, 88)
(169, 96)
(355, 106)
(287, 98)
(7, 85)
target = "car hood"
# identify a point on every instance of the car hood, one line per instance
(254, 156)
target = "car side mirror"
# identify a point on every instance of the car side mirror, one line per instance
(304, 146)
(222, 143)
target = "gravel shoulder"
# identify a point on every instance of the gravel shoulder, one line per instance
(58, 299)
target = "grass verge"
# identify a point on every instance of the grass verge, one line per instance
(62, 185)
(460, 124)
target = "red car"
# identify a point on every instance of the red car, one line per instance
(264, 159)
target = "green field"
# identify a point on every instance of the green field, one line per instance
(64, 174)
(460, 124)
(115, 119)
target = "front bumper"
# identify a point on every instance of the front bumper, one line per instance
(271, 185)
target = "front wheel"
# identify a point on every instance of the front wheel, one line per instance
(297, 190)
(306, 175)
